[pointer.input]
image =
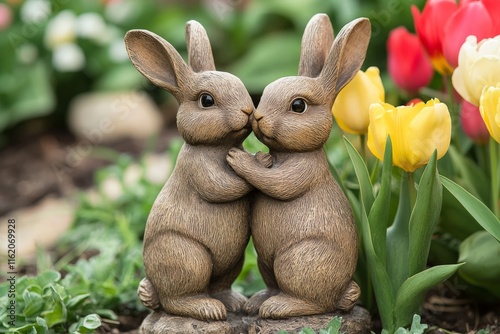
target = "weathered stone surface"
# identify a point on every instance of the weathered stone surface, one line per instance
(160, 322)
(356, 321)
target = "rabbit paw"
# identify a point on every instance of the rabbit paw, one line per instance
(239, 160)
(232, 300)
(283, 306)
(264, 159)
(253, 304)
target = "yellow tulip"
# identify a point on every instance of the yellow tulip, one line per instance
(353, 101)
(489, 107)
(416, 131)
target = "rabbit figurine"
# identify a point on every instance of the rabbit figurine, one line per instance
(302, 224)
(198, 227)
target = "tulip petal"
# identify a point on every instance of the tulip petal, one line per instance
(493, 7)
(373, 73)
(429, 24)
(490, 110)
(428, 130)
(408, 65)
(484, 72)
(459, 26)
(377, 130)
(352, 104)
(415, 131)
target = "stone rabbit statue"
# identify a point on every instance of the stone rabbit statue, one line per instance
(198, 228)
(302, 224)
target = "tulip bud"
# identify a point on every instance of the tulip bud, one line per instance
(490, 110)
(353, 101)
(409, 66)
(415, 131)
(473, 124)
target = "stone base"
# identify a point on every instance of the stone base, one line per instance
(356, 321)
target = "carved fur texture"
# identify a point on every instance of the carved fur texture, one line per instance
(302, 224)
(198, 228)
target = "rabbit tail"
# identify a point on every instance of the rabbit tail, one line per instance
(350, 297)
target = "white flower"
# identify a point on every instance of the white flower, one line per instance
(68, 57)
(35, 11)
(61, 29)
(117, 51)
(478, 66)
(92, 26)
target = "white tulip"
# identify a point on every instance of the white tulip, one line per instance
(68, 58)
(478, 66)
(61, 29)
(91, 26)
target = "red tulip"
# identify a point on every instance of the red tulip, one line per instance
(409, 66)
(473, 124)
(472, 18)
(430, 29)
(443, 27)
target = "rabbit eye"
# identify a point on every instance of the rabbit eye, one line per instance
(207, 100)
(299, 105)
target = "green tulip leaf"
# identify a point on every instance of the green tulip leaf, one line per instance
(398, 236)
(475, 207)
(473, 178)
(412, 293)
(379, 213)
(481, 254)
(365, 184)
(424, 217)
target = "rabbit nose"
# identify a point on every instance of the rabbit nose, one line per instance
(257, 115)
(247, 111)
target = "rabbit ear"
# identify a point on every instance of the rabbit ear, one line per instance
(199, 49)
(316, 43)
(346, 55)
(157, 60)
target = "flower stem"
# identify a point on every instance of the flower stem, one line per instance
(362, 142)
(454, 113)
(494, 177)
(412, 190)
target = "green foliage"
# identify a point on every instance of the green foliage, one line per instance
(475, 207)
(400, 280)
(333, 327)
(48, 304)
(416, 327)
(481, 254)
(101, 266)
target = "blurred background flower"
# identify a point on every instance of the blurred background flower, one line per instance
(473, 124)
(408, 64)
